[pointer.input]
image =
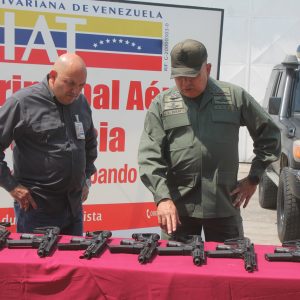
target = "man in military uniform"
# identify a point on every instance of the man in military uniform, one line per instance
(188, 153)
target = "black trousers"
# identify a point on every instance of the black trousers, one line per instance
(214, 229)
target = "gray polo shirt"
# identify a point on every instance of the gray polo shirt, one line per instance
(48, 158)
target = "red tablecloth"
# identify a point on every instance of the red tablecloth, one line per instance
(24, 275)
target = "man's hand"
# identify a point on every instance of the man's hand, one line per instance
(168, 218)
(85, 192)
(22, 195)
(243, 192)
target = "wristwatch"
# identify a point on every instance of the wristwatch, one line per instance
(88, 182)
(253, 179)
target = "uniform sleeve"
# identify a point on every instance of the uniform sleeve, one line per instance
(152, 163)
(264, 132)
(10, 119)
(90, 150)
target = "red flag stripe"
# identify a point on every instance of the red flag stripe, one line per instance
(92, 59)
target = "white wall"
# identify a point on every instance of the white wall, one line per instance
(257, 34)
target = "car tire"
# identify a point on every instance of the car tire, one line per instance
(288, 210)
(267, 192)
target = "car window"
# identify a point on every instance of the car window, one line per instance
(276, 85)
(273, 86)
(297, 95)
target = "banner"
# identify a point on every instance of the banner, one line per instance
(126, 47)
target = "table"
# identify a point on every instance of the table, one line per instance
(24, 275)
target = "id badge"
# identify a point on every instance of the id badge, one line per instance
(79, 129)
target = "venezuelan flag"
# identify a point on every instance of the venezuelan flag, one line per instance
(101, 42)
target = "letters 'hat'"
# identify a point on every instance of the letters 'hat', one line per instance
(187, 58)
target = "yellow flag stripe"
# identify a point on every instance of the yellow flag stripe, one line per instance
(93, 24)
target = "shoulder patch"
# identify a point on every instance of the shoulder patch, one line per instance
(172, 112)
(223, 97)
(173, 104)
(173, 95)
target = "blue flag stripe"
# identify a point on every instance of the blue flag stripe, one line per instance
(118, 43)
(92, 42)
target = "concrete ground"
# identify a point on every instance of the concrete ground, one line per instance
(260, 225)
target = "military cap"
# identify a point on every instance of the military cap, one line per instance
(187, 58)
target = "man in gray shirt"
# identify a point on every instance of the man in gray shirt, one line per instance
(54, 149)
